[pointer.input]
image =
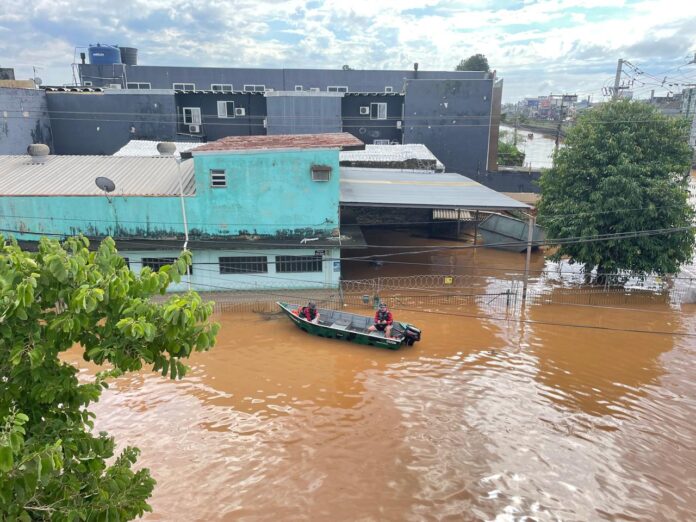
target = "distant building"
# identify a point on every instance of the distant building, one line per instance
(688, 110)
(455, 114)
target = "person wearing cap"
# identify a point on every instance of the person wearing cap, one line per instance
(310, 312)
(383, 320)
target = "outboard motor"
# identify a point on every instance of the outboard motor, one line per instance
(412, 334)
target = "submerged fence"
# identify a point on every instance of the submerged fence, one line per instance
(489, 295)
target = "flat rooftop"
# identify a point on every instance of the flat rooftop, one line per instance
(413, 189)
(336, 140)
(411, 153)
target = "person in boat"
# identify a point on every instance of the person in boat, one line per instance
(383, 320)
(310, 312)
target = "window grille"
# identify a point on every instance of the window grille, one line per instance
(295, 264)
(243, 265)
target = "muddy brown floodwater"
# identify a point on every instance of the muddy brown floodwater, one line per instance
(481, 420)
(484, 419)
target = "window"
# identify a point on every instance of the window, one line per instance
(255, 88)
(137, 85)
(380, 142)
(87, 84)
(337, 88)
(155, 263)
(298, 88)
(218, 178)
(389, 88)
(225, 109)
(192, 115)
(321, 172)
(378, 111)
(243, 265)
(221, 87)
(184, 86)
(298, 264)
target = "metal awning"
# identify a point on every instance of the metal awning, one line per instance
(408, 189)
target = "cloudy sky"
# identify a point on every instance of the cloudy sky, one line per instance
(538, 47)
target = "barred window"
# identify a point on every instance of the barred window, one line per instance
(218, 178)
(243, 265)
(155, 263)
(298, 264)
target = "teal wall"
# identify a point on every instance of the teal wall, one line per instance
(268, 193)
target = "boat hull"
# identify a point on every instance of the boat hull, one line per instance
(333, 332)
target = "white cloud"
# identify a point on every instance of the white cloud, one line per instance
(568, 45)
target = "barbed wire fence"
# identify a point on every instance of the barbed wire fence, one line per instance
(484, 294)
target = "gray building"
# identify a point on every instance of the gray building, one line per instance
(454, 113)
(24, 120)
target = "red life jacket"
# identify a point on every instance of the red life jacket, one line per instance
(308, 313)
(384, 316)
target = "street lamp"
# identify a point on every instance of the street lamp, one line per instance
(167, 148)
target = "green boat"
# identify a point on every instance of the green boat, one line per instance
(335, 324)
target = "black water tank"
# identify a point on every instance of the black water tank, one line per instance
(129, 55)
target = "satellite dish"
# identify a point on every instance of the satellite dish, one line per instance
(105, 184)
(38, 81)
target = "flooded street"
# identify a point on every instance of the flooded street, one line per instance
(538, 148)
(484, 419)
(489, 417)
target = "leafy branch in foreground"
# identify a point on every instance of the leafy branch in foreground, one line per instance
(52, 465)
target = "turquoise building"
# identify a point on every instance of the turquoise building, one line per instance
(257, 212)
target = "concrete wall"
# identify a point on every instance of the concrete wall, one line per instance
(510, 179)
(163, 77)
(268, 193)
(102, 123)
(213, 127)
(23, 120)
(367, 129)
(206, 276)
(452, 119)
(303, 113)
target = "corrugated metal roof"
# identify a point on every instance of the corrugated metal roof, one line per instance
(149, 148)
(391, 153)
(75, 175)
(389, 188)
(329, 140)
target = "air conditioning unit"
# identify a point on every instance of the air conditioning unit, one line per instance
(398, 124)
(194, 129)
(364, 110)
(240, 111)
(265, 123)
(114, 85)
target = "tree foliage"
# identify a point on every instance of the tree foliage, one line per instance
(624, 168)
(509, 155)
(475, 62)
(52, 465)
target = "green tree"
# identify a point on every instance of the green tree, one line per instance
(509, 155)
(475, 62)
(52, 465)
(624, 168)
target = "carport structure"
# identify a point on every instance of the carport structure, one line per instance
(389, 188)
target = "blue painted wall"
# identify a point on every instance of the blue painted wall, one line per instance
(268, 193)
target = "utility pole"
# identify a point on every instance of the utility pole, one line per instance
(617, 79)
(564, 98)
